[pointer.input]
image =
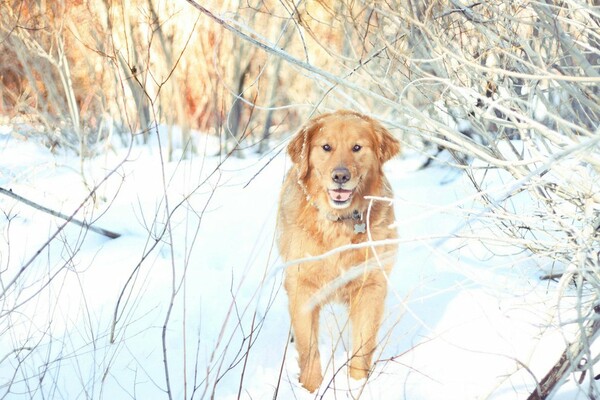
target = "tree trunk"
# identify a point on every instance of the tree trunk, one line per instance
(274, 83)
(568, 361)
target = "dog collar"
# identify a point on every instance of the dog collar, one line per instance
(359, 225)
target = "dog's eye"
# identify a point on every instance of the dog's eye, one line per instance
(326, 147)
(356, 148)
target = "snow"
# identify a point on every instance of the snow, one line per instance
(85, 318)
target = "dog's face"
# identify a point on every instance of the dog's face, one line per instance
(339, 156)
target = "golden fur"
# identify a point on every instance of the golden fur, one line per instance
(337, 160)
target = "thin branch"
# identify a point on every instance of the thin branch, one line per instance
(84, 224)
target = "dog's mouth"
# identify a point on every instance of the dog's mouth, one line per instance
(340, 198)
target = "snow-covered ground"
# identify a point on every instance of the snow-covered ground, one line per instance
(193, 286)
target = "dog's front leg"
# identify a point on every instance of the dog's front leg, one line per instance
(305, 324)
(366, 312)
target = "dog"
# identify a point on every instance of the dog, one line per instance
(337, 161)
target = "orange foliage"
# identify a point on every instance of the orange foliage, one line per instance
(130, 60)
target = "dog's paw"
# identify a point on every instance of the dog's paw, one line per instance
(358, 369)
(311, 380)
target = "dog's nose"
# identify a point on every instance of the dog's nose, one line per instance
(340, 175)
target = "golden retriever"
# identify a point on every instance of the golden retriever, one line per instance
(337, 161)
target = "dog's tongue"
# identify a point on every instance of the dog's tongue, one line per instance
(340, 194)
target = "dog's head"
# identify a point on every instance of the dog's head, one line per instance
(338, 157)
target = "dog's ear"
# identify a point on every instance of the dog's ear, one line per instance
(299, 147)
(389, 146)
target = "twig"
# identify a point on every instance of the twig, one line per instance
(467, 11)
(550, 277)
(67, 218)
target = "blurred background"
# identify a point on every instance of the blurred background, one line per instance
(80, 71)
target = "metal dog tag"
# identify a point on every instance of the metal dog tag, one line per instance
(360, 228)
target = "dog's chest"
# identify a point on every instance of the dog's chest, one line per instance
(341, 233)
(338, 238)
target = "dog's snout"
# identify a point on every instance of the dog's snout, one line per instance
(340, 175)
